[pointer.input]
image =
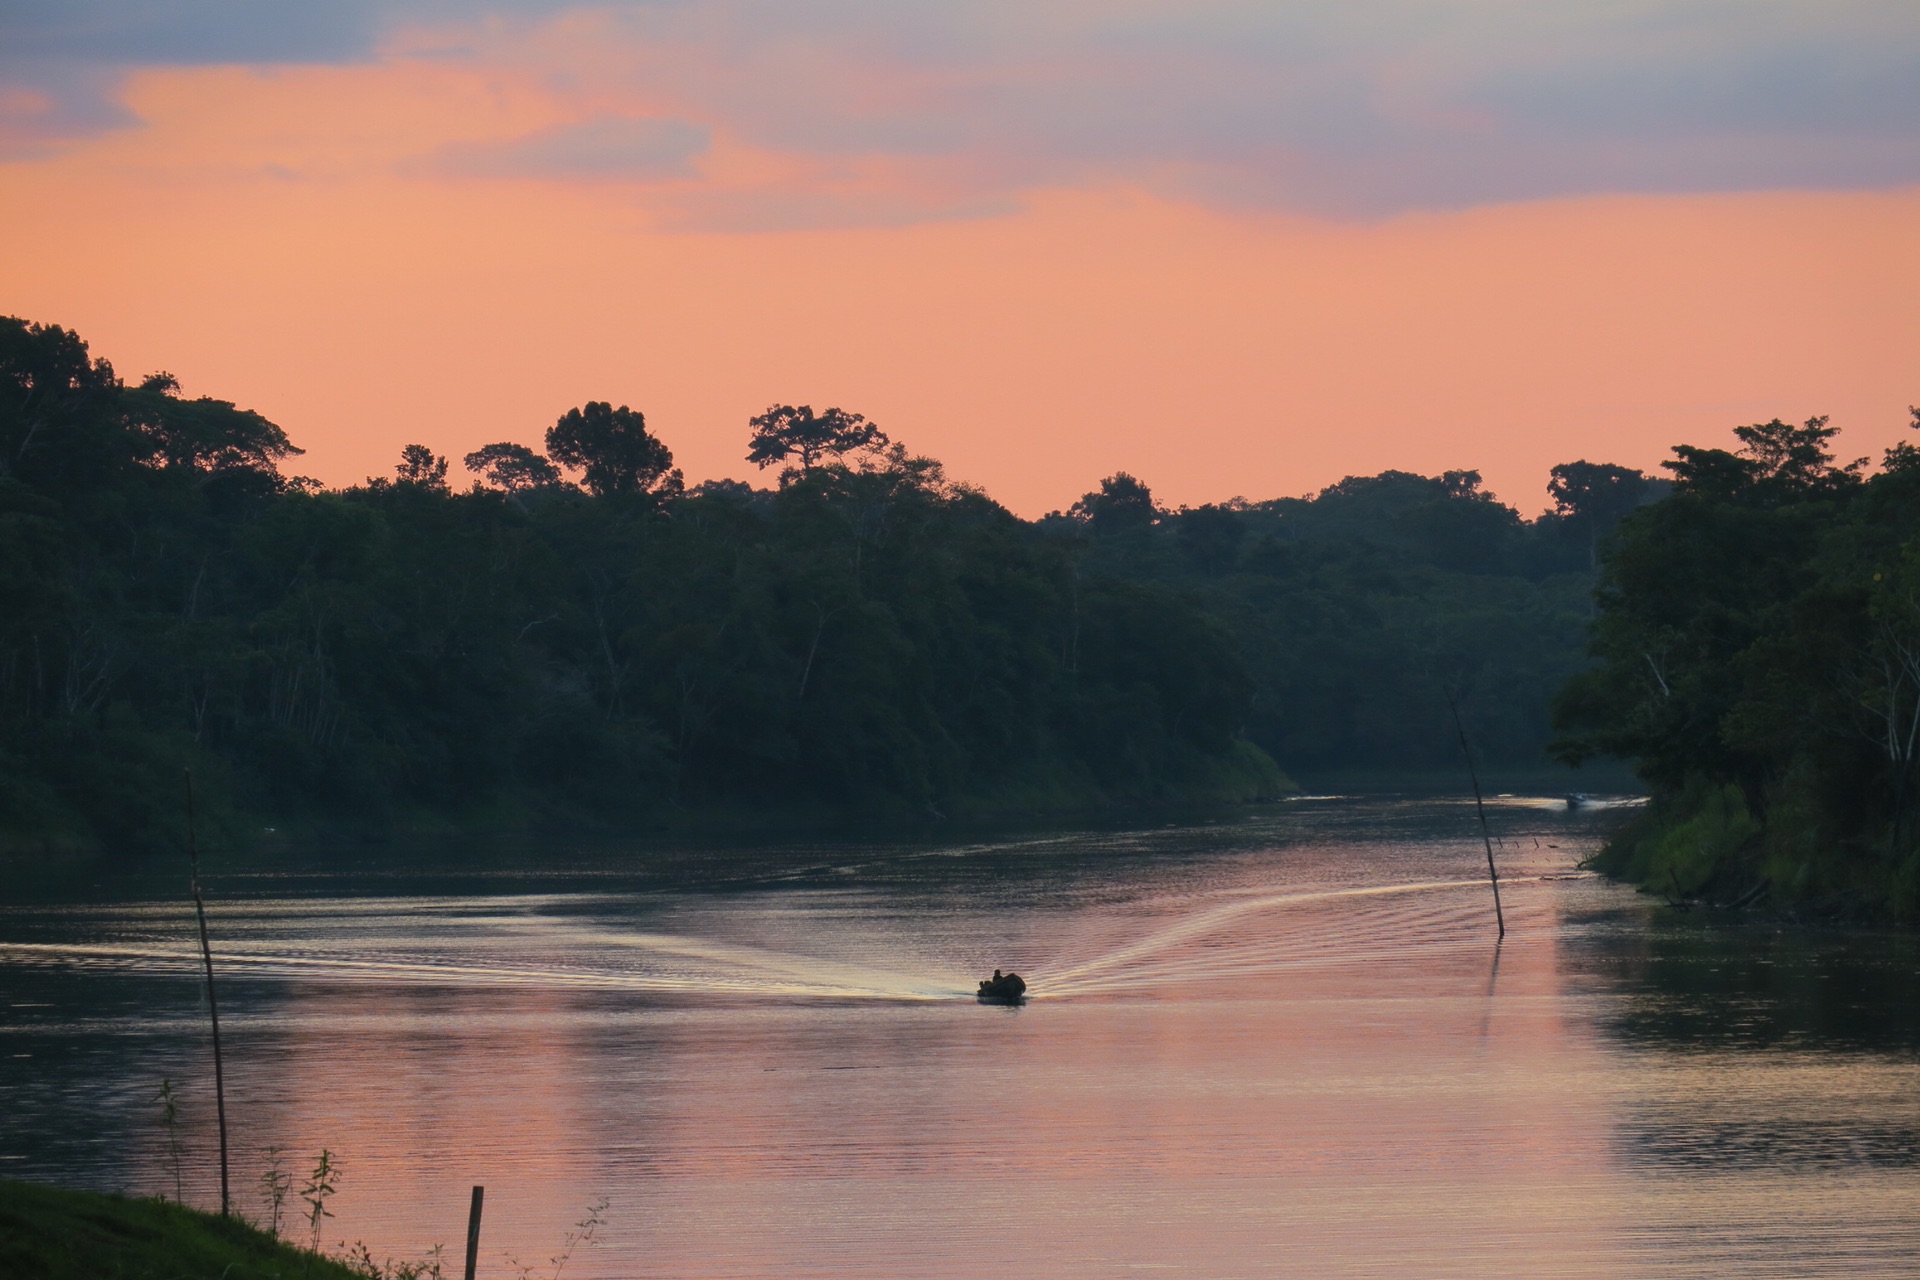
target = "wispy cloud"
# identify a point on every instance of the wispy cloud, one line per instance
(41, 107)
(1361, 108)
(606, 149)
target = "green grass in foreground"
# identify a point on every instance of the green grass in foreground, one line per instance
(47, 1233)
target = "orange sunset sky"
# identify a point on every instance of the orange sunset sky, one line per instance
(1232, 248)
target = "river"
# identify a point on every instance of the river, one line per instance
(1283, 1045)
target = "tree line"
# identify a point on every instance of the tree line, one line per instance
(577, 638)
(572, 635)
(1758, 655)
(1359, 611)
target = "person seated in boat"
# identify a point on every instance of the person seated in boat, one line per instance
(1003, 985)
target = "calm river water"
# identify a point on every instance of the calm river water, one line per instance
(1283, 1046)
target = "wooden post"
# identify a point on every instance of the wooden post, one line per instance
(473, 1231)
(1493, 875)
(213, 1005)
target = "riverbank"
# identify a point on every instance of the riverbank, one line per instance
(1597, 778)
(1705, 847)
(1242, 777)
(50, 1233)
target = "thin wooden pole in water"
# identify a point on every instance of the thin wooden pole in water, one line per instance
(473, 1231)
(213, 1006)
(1480, 807)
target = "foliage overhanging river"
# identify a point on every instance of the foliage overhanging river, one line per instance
(1279, 1046)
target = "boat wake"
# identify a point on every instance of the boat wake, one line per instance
(1236, 939)
(1147, 944)
(717, 968)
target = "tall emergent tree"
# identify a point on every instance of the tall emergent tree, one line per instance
(421, 467)
(52, 397)
(1592, 498)
(787, 431)
(1121, 504)
(512, 467)
(614, 450)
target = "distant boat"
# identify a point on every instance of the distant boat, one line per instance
(1576, 800)
(1003, 988)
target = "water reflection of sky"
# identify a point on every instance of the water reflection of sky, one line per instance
(1285, 1046)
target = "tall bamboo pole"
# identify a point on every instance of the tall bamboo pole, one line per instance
(1480, 807)
(213, 1005)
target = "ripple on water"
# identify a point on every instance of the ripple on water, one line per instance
(1280, 1047)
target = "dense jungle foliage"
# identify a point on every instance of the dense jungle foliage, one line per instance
(1361, 610)
(577, 638)
(1759, 647)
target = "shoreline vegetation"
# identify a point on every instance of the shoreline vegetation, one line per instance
(54, 1233)
(1758, 657)
(575, 640)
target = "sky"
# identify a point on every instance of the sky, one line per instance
(1234, 247)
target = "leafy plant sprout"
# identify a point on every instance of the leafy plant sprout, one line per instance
(359, 1259)
(585, 1232)
(275, 1183)
(170, 1117)
(321, 1184)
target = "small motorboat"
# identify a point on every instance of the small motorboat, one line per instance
(1003, 988)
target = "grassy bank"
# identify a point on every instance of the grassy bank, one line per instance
(48, 1233)
(1705, 844)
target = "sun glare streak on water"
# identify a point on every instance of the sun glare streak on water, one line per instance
(1286, 1046)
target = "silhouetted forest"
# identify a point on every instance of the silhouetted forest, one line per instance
(572, 636)
(1358, 611)
(1759, 656)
